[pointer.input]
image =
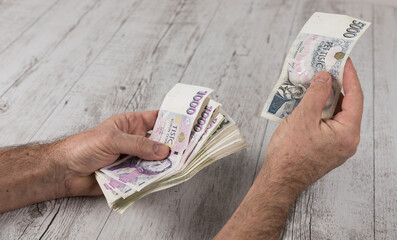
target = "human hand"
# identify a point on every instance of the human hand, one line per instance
(84, 153)
(305, 147)
(302, 149)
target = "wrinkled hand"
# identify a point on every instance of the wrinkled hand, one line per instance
(305, 147)
(91, 150)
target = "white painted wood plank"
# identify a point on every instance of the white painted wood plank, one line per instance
(39, 41)
(17, 16)
(44, 86)
(340, 205)
(37, 96)
(385, 88)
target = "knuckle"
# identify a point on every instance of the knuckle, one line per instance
(299, 115)
(318, 87)
(111, 120)
(108, 136)
(130, 117)
(353, 141)
(357, 141)
(140, 144)
(359, 93)
(354, 144)
(350, 143)
(354, 150)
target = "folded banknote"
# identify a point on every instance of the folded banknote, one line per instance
(194, 127)
(323, 44)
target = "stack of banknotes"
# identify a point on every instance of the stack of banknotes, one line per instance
(198, 133)
(323, 44)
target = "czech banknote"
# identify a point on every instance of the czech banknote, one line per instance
(225, 139)
(188, 122)
(200, 128)
(177, 116)
(323, 44)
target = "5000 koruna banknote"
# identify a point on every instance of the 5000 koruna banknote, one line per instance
(323, 44)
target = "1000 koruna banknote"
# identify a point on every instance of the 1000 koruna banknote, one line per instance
(323, 44)
(178, 113)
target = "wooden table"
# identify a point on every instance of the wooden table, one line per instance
(65, 66)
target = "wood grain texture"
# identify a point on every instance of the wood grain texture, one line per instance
(385, 135)
(44, 86)
(40, 40)
(42, 89)
(18, 16)
(65, 66)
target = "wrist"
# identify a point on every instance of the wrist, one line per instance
(57, 169)
(264, 209)
(286, 178)
(68, 160)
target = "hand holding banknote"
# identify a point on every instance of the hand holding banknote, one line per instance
(66, 168)
(101, 146)
(302, 149)
(189, 133)
(318, 145)
(323, 44)
(198, 132)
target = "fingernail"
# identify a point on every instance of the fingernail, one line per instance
(155, 148)
(320, 79)
(161, 149)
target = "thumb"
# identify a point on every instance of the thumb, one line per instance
(316, 95)
(141, 147)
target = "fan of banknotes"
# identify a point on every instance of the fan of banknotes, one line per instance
(198, 133)
(323, 44)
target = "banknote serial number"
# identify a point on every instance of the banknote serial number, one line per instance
(354, 28)
(195, 102)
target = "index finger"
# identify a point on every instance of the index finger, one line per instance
(352, 104)
(149, 118)
(141, 122)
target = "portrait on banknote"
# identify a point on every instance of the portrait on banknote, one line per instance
(144, 167)
(323, 44)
